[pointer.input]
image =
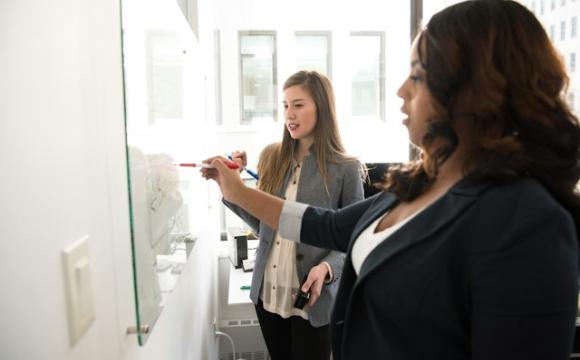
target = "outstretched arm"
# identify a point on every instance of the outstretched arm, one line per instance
(265, 207)
(328, 229)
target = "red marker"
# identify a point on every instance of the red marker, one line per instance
(231, 165)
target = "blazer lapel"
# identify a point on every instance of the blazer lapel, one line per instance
(384, 202)
(420, 228)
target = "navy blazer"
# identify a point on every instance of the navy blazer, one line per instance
(488, 271)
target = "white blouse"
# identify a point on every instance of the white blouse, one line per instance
(280, 276)
(368, 240)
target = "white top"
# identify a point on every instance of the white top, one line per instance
(281, 275)
(368, 239)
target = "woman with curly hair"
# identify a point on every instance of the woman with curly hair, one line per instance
(470, 252)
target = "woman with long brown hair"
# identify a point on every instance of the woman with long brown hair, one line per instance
(471, 252)
(309, 165)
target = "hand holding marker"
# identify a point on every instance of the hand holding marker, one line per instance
(252, 174)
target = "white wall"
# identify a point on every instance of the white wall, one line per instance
(63, 177)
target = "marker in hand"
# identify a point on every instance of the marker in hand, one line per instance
(229, 164)
(252, 174)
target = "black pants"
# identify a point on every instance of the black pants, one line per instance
(293, 338)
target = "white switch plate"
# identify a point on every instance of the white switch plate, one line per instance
(79, 290)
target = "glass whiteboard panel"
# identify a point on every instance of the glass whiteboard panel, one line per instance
(163, 102)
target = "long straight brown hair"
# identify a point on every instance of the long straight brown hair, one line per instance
(276, 159)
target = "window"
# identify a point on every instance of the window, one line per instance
(572, 66)
(165, 76)
(553, 5)
(571, 100)
(313, 52)
(258, 76)
(367, 74)
(562, 30)
(552, 32)
(573, 24)
(218, 77)
(542, 7)
(563, 2)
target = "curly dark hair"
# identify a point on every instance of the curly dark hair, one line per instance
(495, 56)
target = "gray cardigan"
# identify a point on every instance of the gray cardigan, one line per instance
(344, 188)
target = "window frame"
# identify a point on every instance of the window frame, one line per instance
(382, 74)
(273, 33)
(217, 39)
(328, 35)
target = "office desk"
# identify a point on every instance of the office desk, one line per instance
(239, 278)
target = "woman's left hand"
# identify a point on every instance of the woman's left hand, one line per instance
(314, 282)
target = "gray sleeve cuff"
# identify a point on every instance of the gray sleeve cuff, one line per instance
(290, 221)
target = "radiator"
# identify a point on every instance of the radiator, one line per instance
(248, 338)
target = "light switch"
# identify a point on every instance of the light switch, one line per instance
(79, 292)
